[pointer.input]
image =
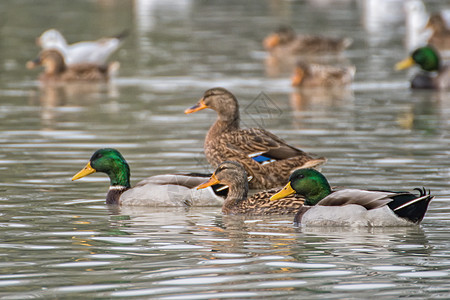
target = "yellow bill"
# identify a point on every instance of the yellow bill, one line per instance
(404, 64)
(213, 180)
(87, 170)
(286, 191)
(199, 106)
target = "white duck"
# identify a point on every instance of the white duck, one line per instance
(93, 52)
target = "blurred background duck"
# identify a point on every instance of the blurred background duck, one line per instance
(318, 75)
(434, 74)
(440, 37)
(160, 190)
(352, 207)
(284, 41)
(267, 158)
(56, 69)
(233, 175)
(90, 52)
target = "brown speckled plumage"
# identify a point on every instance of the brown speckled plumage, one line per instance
(226, 141)
(284, 41)
(234, 176)
(440, 37)
(315, 75)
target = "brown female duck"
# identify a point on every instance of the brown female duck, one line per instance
(56, 70)
(234, 176)
(265, 157)
(315, 75)
(284, 41)
(440, 37)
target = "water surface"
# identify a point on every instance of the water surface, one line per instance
(59, 239)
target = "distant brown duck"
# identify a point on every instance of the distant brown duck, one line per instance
(233, 175)
(315, 75)
(284, 41)
(56, 70)
(265, 157)
(440, 37)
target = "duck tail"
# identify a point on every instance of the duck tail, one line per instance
(122, 34)
(411, 207)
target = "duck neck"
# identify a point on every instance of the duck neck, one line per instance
(119, 176)
(237, 193)
(314, 198)
(225, 124)
(114, 193)
(318, 191)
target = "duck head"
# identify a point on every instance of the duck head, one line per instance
(307, 182)
(426, 57)
(220, 100)
(52, 61)
(108, 161)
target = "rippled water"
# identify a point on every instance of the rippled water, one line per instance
(59, 239)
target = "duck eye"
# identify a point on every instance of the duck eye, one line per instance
(301, 176)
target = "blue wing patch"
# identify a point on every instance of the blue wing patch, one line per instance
(261, 158)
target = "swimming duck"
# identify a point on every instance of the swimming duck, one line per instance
(267, 159)
(233, 175)
(91, 52)
(440, 37)
(56, 69)
(352, 207)
(284, 41)
(160, 190)
(434, 75)
(315, 75)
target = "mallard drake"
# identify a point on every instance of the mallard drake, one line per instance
(160, 190)
(56, 70)
(434, 75)
(267, 159)
(233, 175)
(284, 41)
(440, 37)
(315, 75)
(91, 52)
(352, 207)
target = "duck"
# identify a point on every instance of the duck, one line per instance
(434, 74)
(352, 207)
(90, 52)
(284, 41)
(440, 37)
(56, 69)
(268, 159)
(319, 75)
(155, 191)
(237, 202)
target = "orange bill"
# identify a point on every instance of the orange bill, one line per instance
(199, 106)
(213, 180)
(87, 170)
(298, 76)
(286, 191)
(271, 41)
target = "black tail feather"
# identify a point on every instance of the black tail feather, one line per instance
(411, 207)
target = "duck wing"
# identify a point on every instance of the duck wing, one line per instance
(260, 145)
(367, 199)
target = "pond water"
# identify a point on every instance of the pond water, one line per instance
(60, 240)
